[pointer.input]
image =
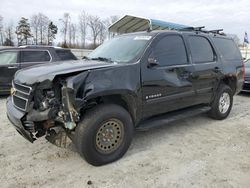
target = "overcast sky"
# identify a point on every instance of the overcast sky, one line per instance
(233, 16)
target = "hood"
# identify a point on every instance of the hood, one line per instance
(48, 71)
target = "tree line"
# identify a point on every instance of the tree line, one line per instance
(89, 32)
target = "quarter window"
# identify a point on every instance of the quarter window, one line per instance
(35, 56)
(8, 57)
(170, 50)
(201, 49)
(227, 48)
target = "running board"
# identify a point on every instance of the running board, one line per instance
(171, 117)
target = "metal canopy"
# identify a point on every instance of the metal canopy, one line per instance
(129, 24)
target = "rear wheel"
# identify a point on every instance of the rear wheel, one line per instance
(222, 104)
(104, 134)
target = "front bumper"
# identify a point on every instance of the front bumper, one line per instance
(15, 117)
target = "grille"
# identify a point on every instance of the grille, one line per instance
(21, 96)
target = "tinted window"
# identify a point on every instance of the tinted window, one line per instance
(201, 49)
(65, 55)
(227, 48)
(8, 57)
(34, 56)
(170, 50)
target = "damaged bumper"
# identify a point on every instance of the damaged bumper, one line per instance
(15, 116)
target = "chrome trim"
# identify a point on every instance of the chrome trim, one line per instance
(22, 99)
(30, 88)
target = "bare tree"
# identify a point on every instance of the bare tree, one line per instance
(95, 26)
(34, 23)
(103, 31)
(43, 27)
(1, 29)
(72, 35)
(66, 22)
(39, 24)
(83, 27)
(9, 30)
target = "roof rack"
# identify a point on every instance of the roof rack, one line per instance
(38, 46)
(201, 29)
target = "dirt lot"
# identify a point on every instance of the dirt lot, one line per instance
(196, 152)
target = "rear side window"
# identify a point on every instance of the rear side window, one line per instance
(201, 49)
(227, 48)
(170, 50)
(65, 55)
(8, 57)
(34, 56)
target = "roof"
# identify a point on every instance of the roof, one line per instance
(129, 24)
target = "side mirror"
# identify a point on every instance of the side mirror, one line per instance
(152, 62)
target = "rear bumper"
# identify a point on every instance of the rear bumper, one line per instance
(15, 117)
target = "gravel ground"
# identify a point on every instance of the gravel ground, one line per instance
(196, 152)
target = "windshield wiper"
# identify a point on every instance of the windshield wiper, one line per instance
(109, 60)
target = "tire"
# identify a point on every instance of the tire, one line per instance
(104, 135)
(222, 103)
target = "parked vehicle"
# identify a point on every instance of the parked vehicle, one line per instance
(246, 86)
(13, 59)
(133, 82)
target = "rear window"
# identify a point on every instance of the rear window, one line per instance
(35, 56)
(227, 48)
(201, 49)
(65, 55)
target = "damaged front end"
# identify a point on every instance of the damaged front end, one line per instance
(47, 109)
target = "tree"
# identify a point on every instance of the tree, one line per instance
(39, 25)
(34, 23)
(1, 29)
(52, 31)
(83, 27)
(72, 35)
(95, 26)
(23, 31)
(9, 35)
(66, 22)
(8, 42)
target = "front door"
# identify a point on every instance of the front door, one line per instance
(166, 76)
(8, 67)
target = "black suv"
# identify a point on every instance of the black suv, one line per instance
(133, 82)
(13, 59)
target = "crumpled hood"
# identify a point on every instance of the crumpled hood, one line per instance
(48, 71)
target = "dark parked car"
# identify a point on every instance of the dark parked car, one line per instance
(132, 82)
(246, 86)
(13, 59)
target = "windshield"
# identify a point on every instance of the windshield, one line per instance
(121, 49)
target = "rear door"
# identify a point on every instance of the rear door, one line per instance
(34, 57)
(207, 68)
(8, 66)
(167, 85)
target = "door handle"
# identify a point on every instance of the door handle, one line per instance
(12, 67)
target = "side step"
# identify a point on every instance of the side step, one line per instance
(171, 117)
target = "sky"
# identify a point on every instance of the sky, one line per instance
(233, 16)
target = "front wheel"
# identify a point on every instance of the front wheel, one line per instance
(104, 135)
(222, 104)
